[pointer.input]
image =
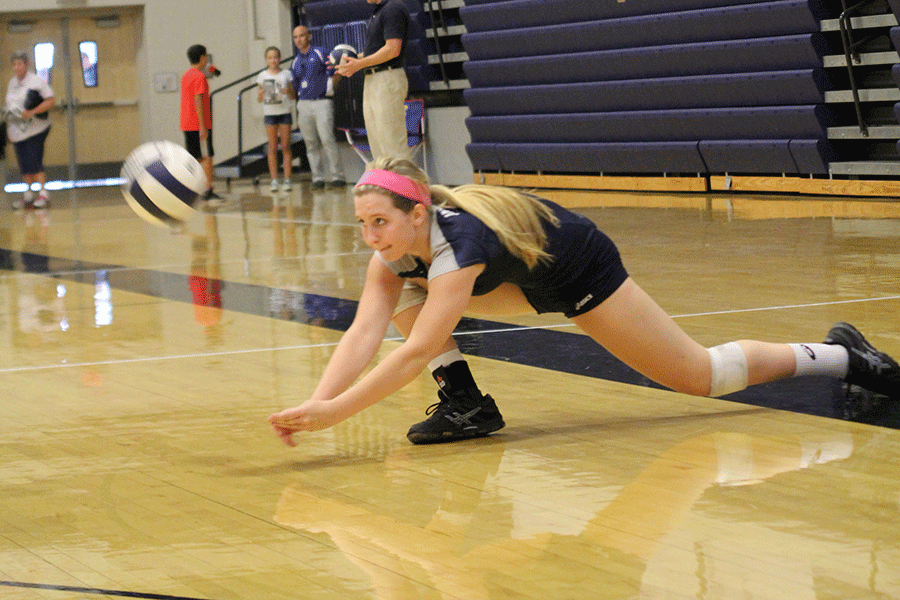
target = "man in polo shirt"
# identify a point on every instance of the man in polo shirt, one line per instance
(315, 113)
(385, 86)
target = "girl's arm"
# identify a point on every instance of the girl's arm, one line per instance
(358, 345)
(448, 296)
(363, 338)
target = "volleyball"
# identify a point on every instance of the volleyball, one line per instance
(162, 181)
(340, 51)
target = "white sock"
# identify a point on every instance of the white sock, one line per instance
(445, 360)
(830, 360)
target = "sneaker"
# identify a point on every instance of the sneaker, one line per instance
(25, 201)
(273, 186)
(286, 186)
(869, 368)
(465, 414)
(860, 405)
(42, 201)
(318, 185)
(338, 183)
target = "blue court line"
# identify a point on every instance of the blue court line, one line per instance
(550, 349)
(98, 591)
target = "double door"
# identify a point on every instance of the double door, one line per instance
(90, 60)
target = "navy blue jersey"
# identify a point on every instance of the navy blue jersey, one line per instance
(584, 270)
(390, 21)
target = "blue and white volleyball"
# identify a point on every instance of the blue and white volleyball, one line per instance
(339, 52)
(162, 182)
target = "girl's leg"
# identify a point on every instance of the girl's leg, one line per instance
(284, 133)
(637, 331)
(271, 134)
(463, 411)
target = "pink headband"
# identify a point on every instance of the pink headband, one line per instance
(399, 184)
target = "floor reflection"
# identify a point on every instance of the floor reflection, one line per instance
(530, 526)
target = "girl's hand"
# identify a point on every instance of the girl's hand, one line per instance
(312, 415)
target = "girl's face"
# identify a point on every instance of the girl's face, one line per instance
(386, 228)
(273, 57)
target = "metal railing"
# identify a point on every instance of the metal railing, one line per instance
(851, 55)
(437, 40)
(240, 103)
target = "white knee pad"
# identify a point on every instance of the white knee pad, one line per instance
(729, 369)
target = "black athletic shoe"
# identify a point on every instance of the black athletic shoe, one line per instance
(465, 414)
(861, 405)
(869, 368)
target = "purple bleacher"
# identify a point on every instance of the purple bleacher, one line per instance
(540, 13)
(812, 156)
(317, 35)
(895, 38)
(734, 56)
(333, 35)
(657, 86)
(748, 156)
(356, 34)
(589, 158)
(329, 12)
(484, 157)
(790, 122)
(715, 91)
(765, 19)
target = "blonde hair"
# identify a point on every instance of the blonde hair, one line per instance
(516, 218)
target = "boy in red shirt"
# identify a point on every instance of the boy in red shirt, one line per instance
(195, 102)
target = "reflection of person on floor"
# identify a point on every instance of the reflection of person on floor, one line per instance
(41, 302)
(288, 271)
(612, 551)
(205, 278)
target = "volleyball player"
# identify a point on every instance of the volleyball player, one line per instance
(440, 252)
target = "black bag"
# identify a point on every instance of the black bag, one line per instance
(32, 100)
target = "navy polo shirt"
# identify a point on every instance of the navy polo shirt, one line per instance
(390, 21)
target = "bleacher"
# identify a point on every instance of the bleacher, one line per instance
(664, 86)
(658, 87)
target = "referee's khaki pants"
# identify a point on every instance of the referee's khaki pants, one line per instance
(384, 94)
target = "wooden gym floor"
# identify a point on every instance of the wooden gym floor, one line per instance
(136, 461)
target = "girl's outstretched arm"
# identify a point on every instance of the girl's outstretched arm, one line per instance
(448, 296)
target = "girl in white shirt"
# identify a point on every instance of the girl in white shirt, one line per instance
(276, 93)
